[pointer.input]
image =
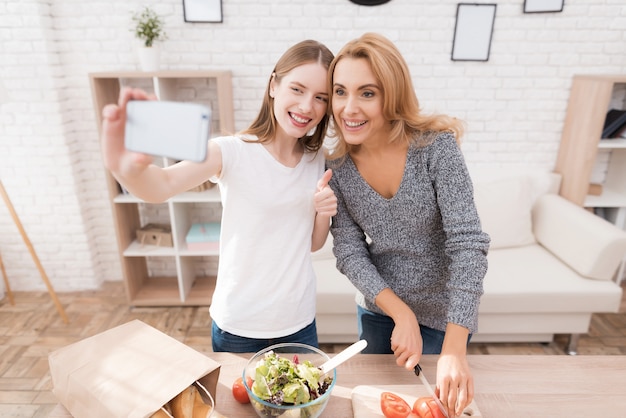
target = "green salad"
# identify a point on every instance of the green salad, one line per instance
(281, 381)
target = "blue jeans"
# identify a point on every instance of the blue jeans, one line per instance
(225, 341)
(377, 328)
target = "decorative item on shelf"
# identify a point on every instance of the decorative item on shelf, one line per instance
(149, 28)
(155, 234)
(595, 189)
(204, 237)
(614, 124)
(122, 189)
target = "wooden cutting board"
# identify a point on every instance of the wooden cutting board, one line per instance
(366, 400)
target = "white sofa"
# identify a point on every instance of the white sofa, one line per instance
(552, 264)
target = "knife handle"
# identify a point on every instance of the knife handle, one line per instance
(417, 369)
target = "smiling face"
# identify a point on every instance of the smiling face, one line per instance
(300, 99)
(357, 102)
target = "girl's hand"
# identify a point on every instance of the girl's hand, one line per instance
(324, 199)
(121, 162)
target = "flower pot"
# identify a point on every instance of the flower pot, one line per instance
(149, 58)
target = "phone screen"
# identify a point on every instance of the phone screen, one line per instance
(174, 130)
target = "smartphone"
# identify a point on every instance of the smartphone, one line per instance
(175, 130)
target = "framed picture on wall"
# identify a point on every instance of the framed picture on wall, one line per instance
(543, 6)
(473, 31)
(202, 11)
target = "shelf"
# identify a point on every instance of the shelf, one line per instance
(211, 195)
(136, 249)
(164, 291)
(166, 288)
(608, 199)
(613, 143)
(184, 252)
(591, 96)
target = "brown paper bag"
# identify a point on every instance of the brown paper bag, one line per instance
(127, 371)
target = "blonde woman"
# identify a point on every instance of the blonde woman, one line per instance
(406, 232)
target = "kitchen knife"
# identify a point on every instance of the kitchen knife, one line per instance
(431, 392)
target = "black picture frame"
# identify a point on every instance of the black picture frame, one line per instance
(543, 6)
(473, 31)
(202, 11)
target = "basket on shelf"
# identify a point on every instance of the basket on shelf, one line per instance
(155, 234)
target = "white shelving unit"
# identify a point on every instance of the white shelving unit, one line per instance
(590, 99)
(187, 283)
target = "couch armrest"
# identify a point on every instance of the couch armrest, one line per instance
(590, 245)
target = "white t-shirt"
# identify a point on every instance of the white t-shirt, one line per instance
(265, 282)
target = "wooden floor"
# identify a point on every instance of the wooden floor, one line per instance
(32, 328)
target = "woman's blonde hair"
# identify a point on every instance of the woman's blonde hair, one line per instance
(265, 125)
(400, 105)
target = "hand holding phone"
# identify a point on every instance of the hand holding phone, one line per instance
(175, 130)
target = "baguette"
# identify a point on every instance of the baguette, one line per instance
(189, 404)
(200, 409)
(182, 404)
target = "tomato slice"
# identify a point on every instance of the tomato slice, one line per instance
(394, 406)
(426, 407)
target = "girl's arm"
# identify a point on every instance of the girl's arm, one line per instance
(325, 208)
(135, 171)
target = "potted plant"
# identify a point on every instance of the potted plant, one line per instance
(149, 28)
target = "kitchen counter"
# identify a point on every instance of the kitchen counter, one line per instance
(505, 386)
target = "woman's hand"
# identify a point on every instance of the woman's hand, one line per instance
(406, 341)
(455, 385)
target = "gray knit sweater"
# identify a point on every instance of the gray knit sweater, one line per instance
(425, 243)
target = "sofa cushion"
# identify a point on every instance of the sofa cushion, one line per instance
(531, 279)
(335, 293)
(504, 207)
(594, 248)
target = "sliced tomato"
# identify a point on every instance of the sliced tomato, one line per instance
(394, 406)
(426, 407)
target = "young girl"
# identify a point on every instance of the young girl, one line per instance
(406, 232)
(276, 202)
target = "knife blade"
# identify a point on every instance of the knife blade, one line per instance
(418, 372)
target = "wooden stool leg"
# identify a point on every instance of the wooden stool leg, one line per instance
(33, 254)
(6, 283)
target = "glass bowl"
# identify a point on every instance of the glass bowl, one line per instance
(311, 409)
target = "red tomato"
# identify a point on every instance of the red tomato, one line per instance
(394, 406)
(239, 390)
(426, 407)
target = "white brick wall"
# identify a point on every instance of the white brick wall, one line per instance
(50, 163)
